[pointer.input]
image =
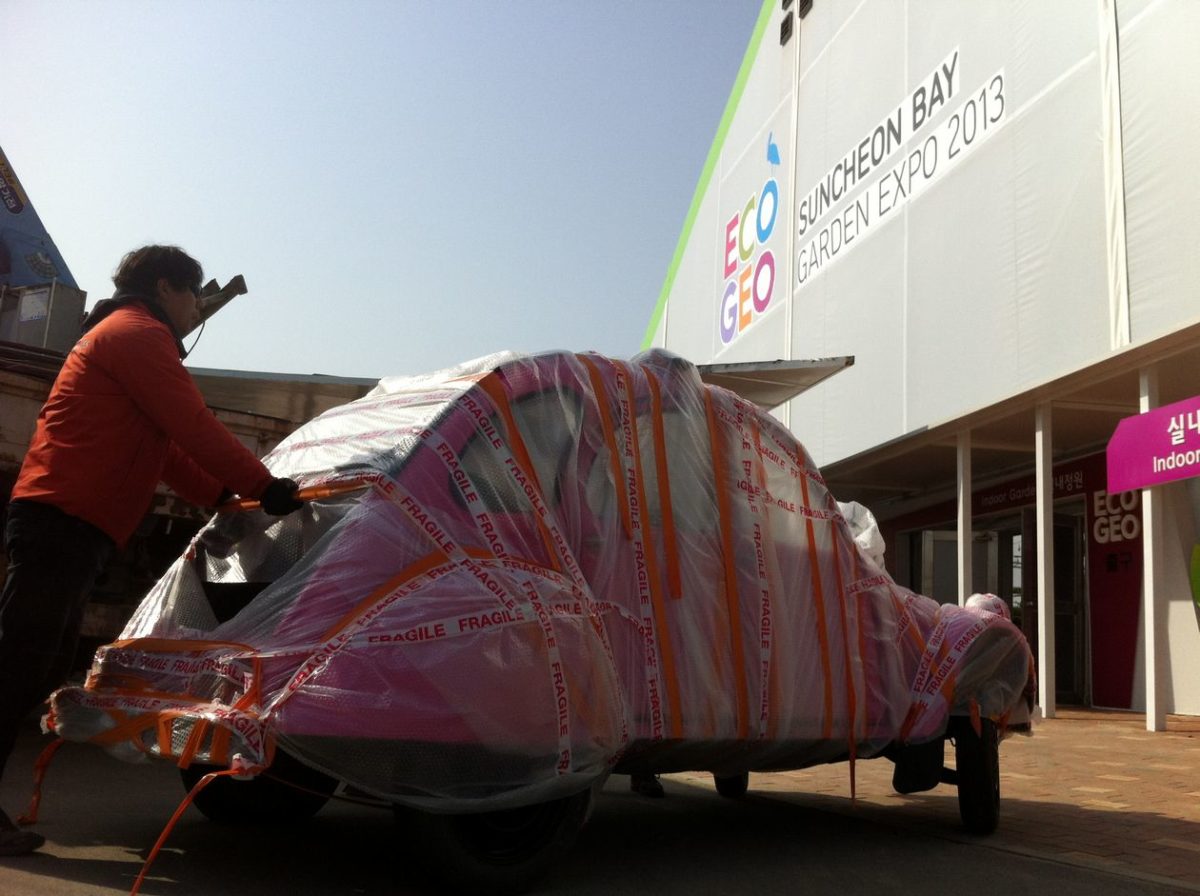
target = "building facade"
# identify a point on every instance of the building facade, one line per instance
(987, 205)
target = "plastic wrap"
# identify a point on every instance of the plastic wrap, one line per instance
(560, 565)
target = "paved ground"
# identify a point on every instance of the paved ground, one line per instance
(1090, 788)
(1091, 804)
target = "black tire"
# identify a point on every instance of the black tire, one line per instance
(499, 853)
(977, 758)
(732, 787)
(288, 791)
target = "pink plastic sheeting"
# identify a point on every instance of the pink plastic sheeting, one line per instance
(563, 564)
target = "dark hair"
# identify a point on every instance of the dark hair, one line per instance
(141, 269)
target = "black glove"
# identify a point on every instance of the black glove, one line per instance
(279, 498)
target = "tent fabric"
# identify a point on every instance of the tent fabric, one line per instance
(558, 566)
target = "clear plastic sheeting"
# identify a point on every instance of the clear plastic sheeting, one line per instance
(865, 529)
(557, 566)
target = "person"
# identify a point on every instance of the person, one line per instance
(646, 784)
(122, 415)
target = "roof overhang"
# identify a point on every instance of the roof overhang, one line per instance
(771, 383)
(296, 398)
(920, 467)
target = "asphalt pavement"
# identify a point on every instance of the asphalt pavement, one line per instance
(1092, 803)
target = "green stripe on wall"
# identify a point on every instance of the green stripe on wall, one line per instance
(710, 165)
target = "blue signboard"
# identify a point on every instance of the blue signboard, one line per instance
(28, 256)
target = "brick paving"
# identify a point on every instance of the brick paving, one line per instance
(1089, 788)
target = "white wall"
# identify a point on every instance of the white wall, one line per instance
(991, 274)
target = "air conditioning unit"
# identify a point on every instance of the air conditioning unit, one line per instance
(47, 315)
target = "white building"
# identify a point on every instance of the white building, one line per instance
(990, 207)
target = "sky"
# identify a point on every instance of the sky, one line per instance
(404, 185)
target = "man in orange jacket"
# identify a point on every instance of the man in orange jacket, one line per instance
(122, 415)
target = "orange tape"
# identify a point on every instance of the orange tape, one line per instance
(218, 750)
(182, 645)
(670, 542)
(666, 651)
(720, 473)
(192, 745)
(610, 439)
(913, 633)
(166, 730)
(201, 727)
(417, 568)
(860, 571)
(847, 663)
(774, 695)
(128, 730)
(819, 599)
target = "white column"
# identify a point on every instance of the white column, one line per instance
(1044, 461)
(1111, 137)
(1152, 610)
(965, 535)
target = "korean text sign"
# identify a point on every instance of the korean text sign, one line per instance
(1158, 446)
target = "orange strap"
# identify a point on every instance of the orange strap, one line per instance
(666, 651)
(670, 542)
(819, 598)
(771, 686)
(218, 751)
(720, 474)
(201, 727)
(311, 493)
(124, 728)
(170, 826)
(495, 390)
(610, 439)
(847, 662)
(417, 568)
(40, 767)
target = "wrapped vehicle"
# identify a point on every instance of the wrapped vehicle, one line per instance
(547, 568)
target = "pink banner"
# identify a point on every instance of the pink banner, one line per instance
(1158, 446)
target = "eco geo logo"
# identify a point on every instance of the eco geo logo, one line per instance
(749, 266)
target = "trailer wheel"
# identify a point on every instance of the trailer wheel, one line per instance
(288, 791)
(500, 853)
(977, 757)
(732, 787)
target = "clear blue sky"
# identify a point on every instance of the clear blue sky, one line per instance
(404, 185)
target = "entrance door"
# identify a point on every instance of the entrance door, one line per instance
(1070, 624)
(939, 564)
(1070, 587)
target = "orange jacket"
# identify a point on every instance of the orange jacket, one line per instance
(123, 415)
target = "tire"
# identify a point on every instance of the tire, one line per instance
(499, 853)
(977, 758)
(732, 787)
(274, 797)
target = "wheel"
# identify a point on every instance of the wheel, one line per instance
(733, 787)
(977, 758)
(270, 798)
(500, 853)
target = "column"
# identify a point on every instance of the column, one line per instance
(965, 534)
(1044, 462)
(1153, 629)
